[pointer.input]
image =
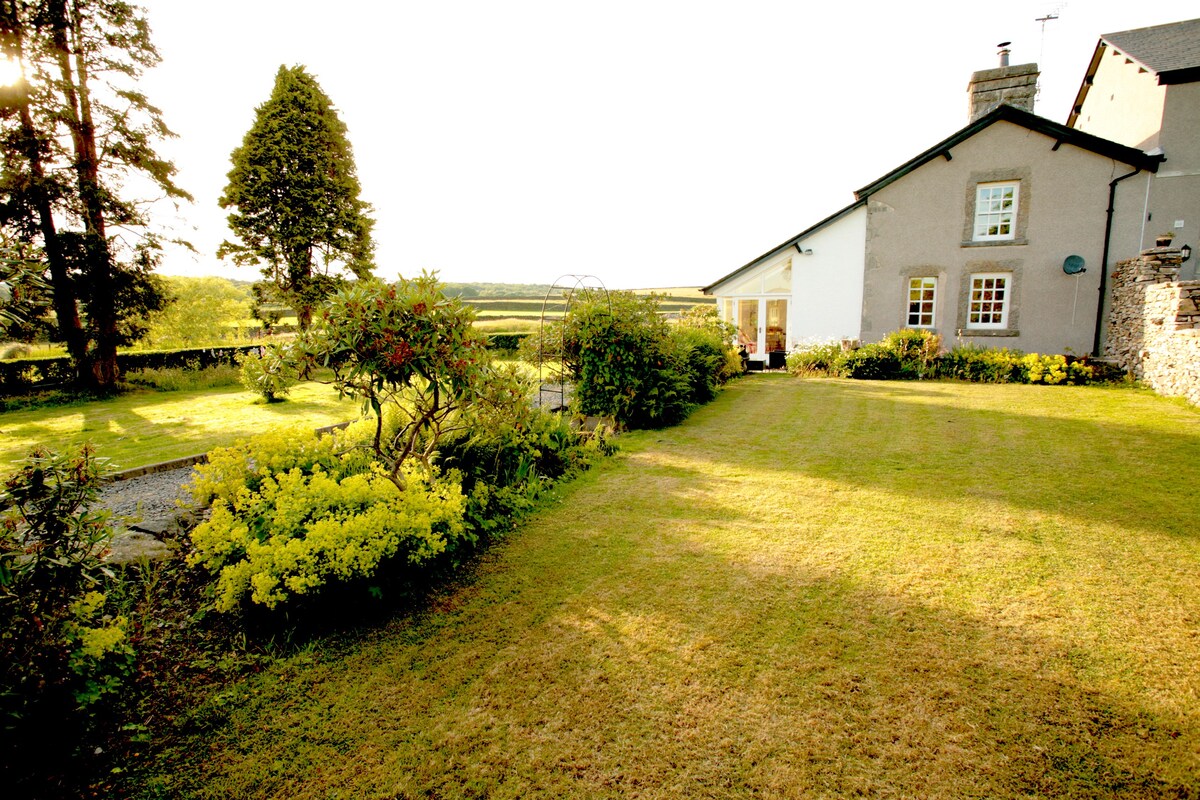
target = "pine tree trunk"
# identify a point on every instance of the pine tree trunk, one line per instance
(66, 309)
(101, 306)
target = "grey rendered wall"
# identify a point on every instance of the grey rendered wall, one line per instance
(920, 225)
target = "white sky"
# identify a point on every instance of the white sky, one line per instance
(652, 143)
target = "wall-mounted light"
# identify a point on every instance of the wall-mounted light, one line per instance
(1186, 250)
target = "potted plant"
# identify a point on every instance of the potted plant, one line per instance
(1164, 239)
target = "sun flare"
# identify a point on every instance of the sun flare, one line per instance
(10, 71)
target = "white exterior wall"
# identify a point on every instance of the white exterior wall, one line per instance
(825, 302)
(827, 286)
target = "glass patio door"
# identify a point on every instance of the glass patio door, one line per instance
(775, 331)
(762, 324)
(748, 333)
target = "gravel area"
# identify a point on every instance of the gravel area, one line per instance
(151, 497)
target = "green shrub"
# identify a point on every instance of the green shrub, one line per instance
(629, 363)
(732, 366)
(61, 646)
(507, 460)
(505, 342)
(917, 350)
(870, 362)
(970, 362)
(266, 373)
(702, 356)
(713, 361)
(816, 358)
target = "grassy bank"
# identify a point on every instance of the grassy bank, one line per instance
(809, 589)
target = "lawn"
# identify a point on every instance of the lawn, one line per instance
(809, 589)
(145, 427)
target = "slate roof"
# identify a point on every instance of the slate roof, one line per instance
(944, 149)
(1169, 50)
(1057, 131)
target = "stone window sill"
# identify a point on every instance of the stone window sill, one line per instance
(996, 243)
(972, 333)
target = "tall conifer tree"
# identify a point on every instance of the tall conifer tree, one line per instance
(294, 193)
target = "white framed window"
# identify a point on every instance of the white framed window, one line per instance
(989, 300)
(996, 211)
(776, 279)
(780, 279)
(922, 297)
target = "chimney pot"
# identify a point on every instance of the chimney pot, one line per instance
(1004, 53)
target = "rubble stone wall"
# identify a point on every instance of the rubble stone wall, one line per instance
(1154, 323)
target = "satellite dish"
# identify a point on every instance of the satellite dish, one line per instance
(1073, 265)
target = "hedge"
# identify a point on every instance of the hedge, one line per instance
(24, 375)
(505, 341)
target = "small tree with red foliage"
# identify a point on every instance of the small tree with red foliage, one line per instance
(412, 356)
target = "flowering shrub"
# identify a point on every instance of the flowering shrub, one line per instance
(405, 346)
(101, 657)
(1053, 370)
(247, 462)
(814, 358)
(298, 530)
(916, 349)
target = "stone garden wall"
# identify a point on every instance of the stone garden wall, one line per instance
(1154, 323)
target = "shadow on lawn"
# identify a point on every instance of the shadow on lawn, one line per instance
(582, 661)
(819, 687)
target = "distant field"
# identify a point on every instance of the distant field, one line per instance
(506, 325)
(517, 314)
(691, 293)
(494, 309)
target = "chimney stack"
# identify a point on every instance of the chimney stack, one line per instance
(1008, 85)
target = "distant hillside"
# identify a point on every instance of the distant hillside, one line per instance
(469, 290)
(521, 312)
(516, 307)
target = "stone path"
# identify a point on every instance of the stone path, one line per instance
(145, 509)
